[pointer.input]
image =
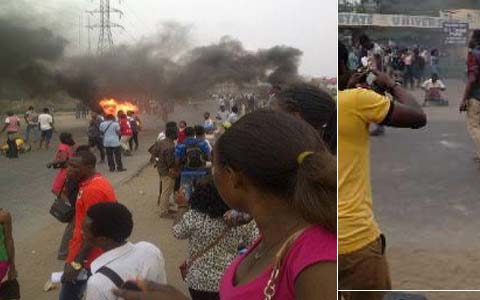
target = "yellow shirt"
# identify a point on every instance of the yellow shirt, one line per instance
(357, 108)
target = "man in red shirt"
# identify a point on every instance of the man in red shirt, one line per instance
(93, 189)
(125, 132)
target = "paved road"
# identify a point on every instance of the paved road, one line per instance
(426, 186)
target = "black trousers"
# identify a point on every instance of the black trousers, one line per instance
(12, 151)
(201, 295)
(98, 143)
(133, 139)
(117, 153)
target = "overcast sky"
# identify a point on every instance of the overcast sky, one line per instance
(309, 25)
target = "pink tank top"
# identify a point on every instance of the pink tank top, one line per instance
(314, 245)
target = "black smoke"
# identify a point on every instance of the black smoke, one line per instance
(26, 59)
(162, 66)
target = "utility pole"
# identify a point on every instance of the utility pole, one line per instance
(105, 38)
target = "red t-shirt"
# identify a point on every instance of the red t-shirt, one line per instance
(181, 136)
(125, 127)
(94, 190)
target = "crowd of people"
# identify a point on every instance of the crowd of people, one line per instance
(256, 228)
(411, 65)
(38, 129)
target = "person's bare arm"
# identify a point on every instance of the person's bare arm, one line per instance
(6, 220)
(468, 90)
(4, 127)
(406, 111)
(317, 282)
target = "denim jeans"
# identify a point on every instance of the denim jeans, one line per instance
(31, 129)
(73, 291)
(187, 180)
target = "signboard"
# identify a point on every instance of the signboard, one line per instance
(354, 20)
(456, 33)
(381, 20)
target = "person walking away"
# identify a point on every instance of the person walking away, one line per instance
(471, 97)
(31, 121)
(95, 136)
(12, 126)
(125, 134)
(435, 61)
(418, 67)
(64, 152)
(181, 131)
(163, 155)
(136, 126)
(212, 244)
(361, 245)
(111, 141)
(191, 158)
(108, 226)
(208, 123)
(233, 116)
(93, 189)
(45, 124)
(293, 203)
(7, 248)
(222, 114)
(200, 135)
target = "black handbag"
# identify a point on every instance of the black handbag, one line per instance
(10, 290)
(62, 210)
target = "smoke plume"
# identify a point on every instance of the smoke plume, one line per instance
(162, 66)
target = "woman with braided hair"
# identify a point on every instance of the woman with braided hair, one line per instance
(314, 106)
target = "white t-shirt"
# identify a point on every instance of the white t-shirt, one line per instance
(232, 118)
(130, 261)
(222, 116)
(429, 84)
(45, 121)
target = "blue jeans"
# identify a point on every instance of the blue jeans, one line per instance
(73, 291)
(187, 180)
(31, 129)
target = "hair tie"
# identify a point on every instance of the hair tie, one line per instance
(301, 157)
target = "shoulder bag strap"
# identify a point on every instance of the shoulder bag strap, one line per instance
(106, 129)
(112, 275)
(270, 288)
(210, 247)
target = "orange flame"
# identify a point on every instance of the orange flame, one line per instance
(112, 106)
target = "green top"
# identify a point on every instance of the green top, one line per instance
(3, 246)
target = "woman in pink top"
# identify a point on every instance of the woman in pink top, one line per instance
(12, 125)
(64, 152)
(276, 168)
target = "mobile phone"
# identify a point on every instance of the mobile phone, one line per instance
(131, 286)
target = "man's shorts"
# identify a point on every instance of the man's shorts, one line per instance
(47, 134)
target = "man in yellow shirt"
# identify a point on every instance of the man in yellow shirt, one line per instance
(361, 246)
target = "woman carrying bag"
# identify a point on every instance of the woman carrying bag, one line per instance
(212, 244)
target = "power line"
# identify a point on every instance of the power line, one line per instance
(105, 37)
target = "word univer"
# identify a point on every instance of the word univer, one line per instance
(354, 19)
